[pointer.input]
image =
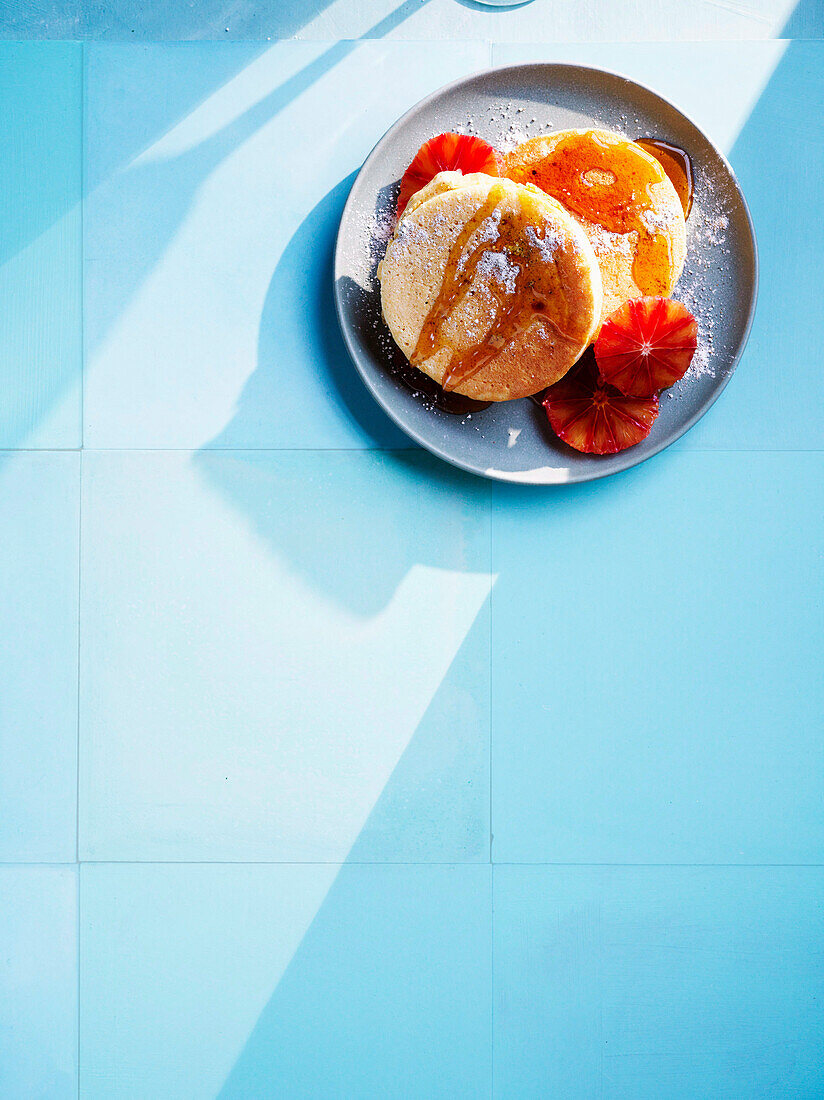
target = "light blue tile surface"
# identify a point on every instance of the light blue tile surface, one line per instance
(665, 982)
(294, 981)
(39, 506)
(421, 20)
(268, 641)
(40, 264)
(215, 324)
(38, 983)
(657, 690)
(747, 97)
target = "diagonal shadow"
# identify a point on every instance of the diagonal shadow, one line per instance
(806, 20)
(38, 193)
(299, 324)
(41, 229)
(780, 164)
(178, 179)
(135, 190)
(131, 21)
(359, 1012)
(126, 20)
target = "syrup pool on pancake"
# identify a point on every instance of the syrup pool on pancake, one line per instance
(677, 164)
(623, 198)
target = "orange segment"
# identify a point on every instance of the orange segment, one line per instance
(646, 345)
(447, 153)
(593, 417)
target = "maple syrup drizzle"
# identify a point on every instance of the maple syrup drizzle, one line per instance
(538, 290)
(678, 166)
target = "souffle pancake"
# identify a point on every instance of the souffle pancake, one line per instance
(622, 198)
(490, 286)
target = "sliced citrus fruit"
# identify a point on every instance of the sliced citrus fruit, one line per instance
(447, 153)
(646, 345)
(594, 417)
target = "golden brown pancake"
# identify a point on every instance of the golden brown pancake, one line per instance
(489, 287)
(621, 197)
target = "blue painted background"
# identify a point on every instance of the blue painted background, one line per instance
(328, 771)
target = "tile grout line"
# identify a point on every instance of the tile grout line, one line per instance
(664, 866)
(80, 456)
(265, 863)
(491, 834)
(398, 863)
(489, 688)
(77, 749)
(404, 863)
(217, 451)
(83, 62)
(492, 980)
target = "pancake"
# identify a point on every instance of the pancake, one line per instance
(444, 181)
(489, 286)
(622, 198)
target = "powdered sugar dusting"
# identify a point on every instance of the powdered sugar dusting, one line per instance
(374, 226)
(545, 246)
(657, 221)
(383, 225)
(498, 266)
(512, 138)
(410, 231)
(706, 237)
(716, 229)
(701, 367)
(489, 228)
(604, 243)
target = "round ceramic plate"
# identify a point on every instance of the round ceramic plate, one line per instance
(511, 440)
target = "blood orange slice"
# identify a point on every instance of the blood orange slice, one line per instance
(594, 417)
(447, 153)
(646, 345)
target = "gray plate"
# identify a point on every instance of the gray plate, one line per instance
(511, 441)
